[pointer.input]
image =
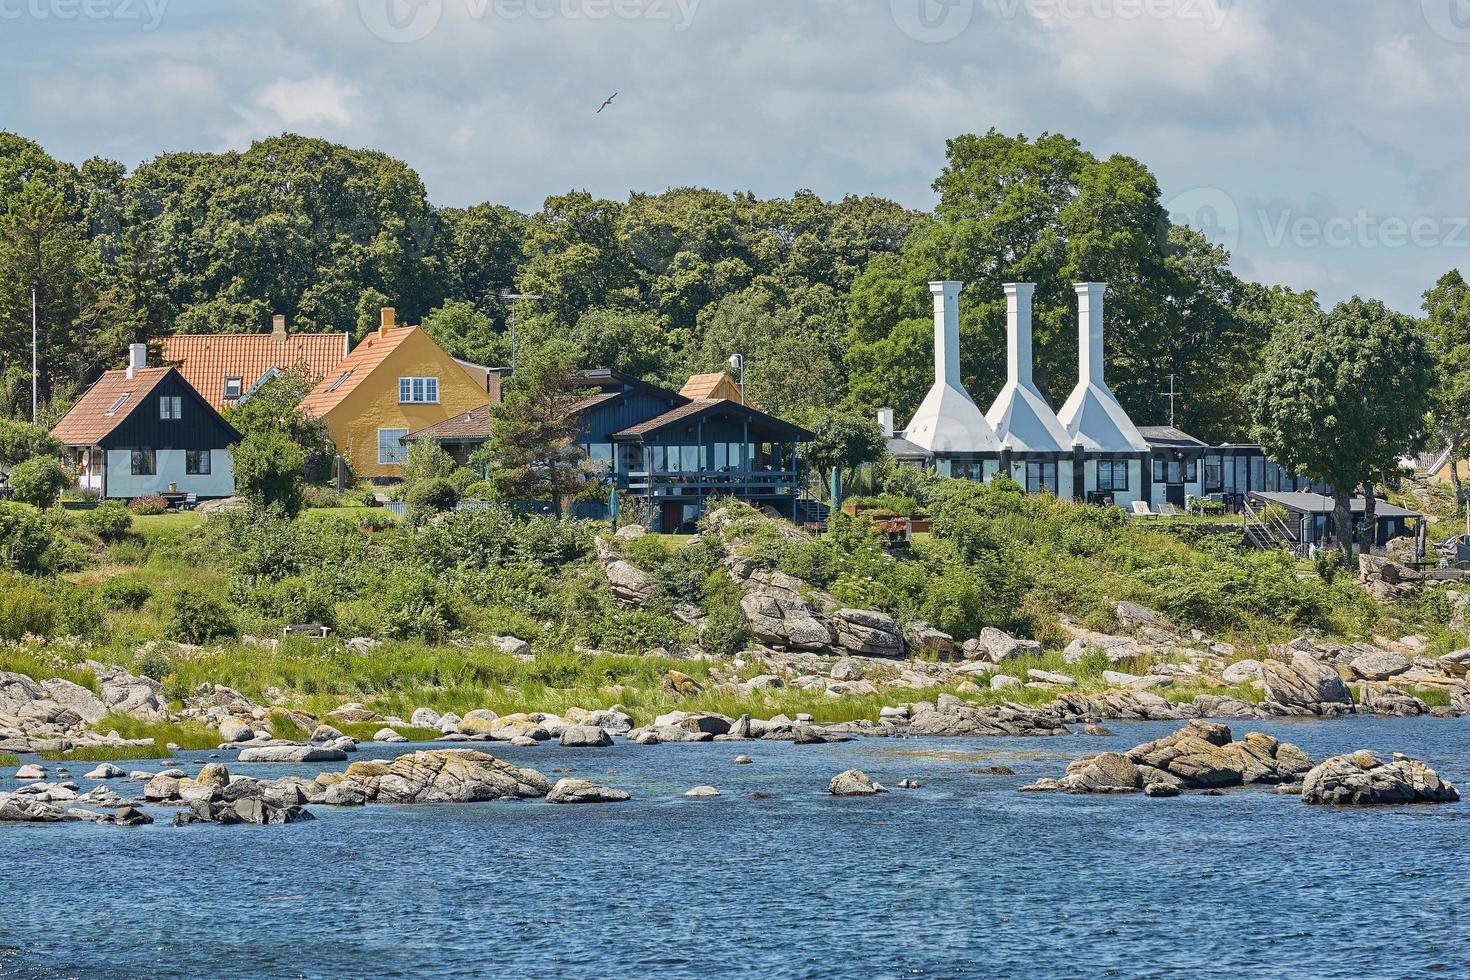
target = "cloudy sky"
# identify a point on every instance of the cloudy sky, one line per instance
(1322, 140)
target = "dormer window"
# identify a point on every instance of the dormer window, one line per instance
(170, 407)
(233, 387)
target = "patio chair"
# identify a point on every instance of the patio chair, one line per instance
(1141, 509)
(1168, 510)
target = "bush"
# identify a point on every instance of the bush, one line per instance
(268, 468)
(431, 496)
(296, 601)
(426, 460)
(198, 617)
(109, 520)
(418, 607)
(462, 478)
(26, 609)
(124, 592)
(147, 506)
(27, 542)
(322, 497)
(479, 490)
(20, 441)
(38, 481)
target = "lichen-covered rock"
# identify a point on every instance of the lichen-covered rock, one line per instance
(1364, 779)
(998, 646)
(584, 791)
(1379, 665)
(75, 698)
(585, 736)
(235, 730)
(1241, 672)
(291, 753)
(867, 632)
(1305, 686)
(128, 694)
(926, 641)
(854, 782)
(784, 621)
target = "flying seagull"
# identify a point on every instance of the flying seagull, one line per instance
(606, 102)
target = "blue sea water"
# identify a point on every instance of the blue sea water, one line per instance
(963, 877)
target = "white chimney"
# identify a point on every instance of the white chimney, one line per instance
(885, 422)
(1090, 331)
(1018, 331)
(947, 332)
(278, 326)
(137, 358)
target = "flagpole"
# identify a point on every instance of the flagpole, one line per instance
(34, 358)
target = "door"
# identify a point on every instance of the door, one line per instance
(672, 517)
(1174, 494)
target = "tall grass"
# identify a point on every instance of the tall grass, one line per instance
(187, 734)
(9, 760)
(106, 753)
(54, 663)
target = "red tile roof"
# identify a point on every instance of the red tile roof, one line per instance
(207, 359)
(92, 417)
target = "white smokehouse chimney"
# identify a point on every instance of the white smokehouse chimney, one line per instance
(1022, 419)
(137, 358)
(948, 421)
(1090, 331)
(1092, 415)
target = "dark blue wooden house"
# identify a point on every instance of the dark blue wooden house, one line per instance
(673, 453)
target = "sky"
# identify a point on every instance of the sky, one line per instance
(1321, 141)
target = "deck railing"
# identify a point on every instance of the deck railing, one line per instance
(706, 483)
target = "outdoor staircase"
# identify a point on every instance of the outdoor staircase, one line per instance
(1265, 530)
(811, 511)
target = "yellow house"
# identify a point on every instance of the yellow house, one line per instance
(396, 381)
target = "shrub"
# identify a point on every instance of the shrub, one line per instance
(109, 520)
(479, 490)
(147, 506)
(38, 481)
(20, 441)
(198, 617)
(725, 631)
(431, 496)
(124, 592)
(268, 469)
(462, 478)
(426, 460)
(27, 542)
(296, 601)
(322, 497)
(418, 606)
(26, 609)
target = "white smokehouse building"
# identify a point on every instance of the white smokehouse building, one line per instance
(1089, 450)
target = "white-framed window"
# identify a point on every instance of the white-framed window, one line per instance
(196, 462)
(233, 387)
(418, 391)
(144, 463)
(391, 450)
(171, 407)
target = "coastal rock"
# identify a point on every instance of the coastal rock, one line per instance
(928, 642)
(323, 734)
(1456, 664)
(235, 730)
(584, 791)
(424, 718)
(1004, 682)
(355, 713)
(30, 771)
(513, 645)
(75, 698)
(629, 584)
(1049, 677)
(1304, 687)
(360, 644)
(128, 694)
(432, 776)
(585, 737)
(1379, 665)
(1364, 779)
(105, 771)
(1382, 699)
(782, 619)
(1132, 617)
(388, 735)
(1387, 580)
(291, 753)
(999, 646)
(853, 782)
(703, 791)
(867, 632)
(950, 717)
(1241, 672)
(1117, 649)
(130, 817)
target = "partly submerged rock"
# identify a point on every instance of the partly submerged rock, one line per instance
(853, 782)
(1305, 686)
(584, 791)
(1364, 779)
(291, 753)
(432, 776)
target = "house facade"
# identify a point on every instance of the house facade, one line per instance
(395, 382)
(1089, 450)
(226, 369)
(142, 431)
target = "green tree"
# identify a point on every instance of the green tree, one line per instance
(464, 331)
(271, 409)
(1447, 319)
(1341, 397)
(426, 460)
(38, 481)
(268, 468)
(532, 449)
(843, 441)
(634, 343)
(480, 250)
(19, 441)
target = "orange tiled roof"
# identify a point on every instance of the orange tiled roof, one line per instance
(716, 385)
(351, 372)
(88, 422)
(207, 359)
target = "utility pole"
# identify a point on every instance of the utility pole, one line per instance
(35, 358)
(506, 296)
